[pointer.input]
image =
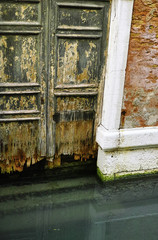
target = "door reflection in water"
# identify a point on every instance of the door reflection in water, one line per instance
(79, 208)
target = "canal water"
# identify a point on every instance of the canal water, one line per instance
(79, 208)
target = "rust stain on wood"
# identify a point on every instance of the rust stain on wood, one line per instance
(19, 102)
(50, 79)
(18, 145)
(75, 138)
(76, 103)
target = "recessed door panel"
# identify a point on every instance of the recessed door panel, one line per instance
(79, 15)
(77, 60)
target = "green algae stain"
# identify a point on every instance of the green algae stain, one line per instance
(126, 176)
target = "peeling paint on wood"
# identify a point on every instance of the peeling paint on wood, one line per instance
(70, 17)
(18, 58)
(51, 65)
(19, 12)
(18, 145)
(76, 72)
(18, 102)
(20, 107)
(76, 103)
(76, 138)
(78, 61)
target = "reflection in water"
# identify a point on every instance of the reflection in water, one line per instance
(80, 208)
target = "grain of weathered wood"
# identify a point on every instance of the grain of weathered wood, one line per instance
(52, 58)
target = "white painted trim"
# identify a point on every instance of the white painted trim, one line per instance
(128, 150)
(106, 139)
(116, 163)
(127, 138)
(120, 24)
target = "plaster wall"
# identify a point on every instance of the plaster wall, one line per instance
(140, 101)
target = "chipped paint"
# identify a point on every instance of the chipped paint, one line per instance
(15, 152)
(76, 103)
(29, 59)
(80, 17)
(77, 61)
(3, 59)
(18, 102)
(49, 82)
(18, 58)
(19, 12)
(67, 65)
(87, 13)
(140, 105)
(75, 138)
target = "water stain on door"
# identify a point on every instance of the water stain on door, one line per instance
(52, 61)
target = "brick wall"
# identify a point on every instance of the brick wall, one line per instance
(140, 103)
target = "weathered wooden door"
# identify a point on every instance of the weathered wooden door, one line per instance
(52, 56)
(77, 59)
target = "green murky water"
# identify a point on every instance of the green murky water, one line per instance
(79, 209)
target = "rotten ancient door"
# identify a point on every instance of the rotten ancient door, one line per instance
(77, 59)
(52, 58)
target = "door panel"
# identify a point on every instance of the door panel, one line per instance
(20, 58)
(79, 15)
(23, 11)
(77, 59)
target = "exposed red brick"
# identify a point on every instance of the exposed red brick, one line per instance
(140, 103)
